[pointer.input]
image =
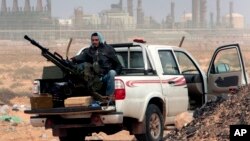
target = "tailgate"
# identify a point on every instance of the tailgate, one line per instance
(71, 110)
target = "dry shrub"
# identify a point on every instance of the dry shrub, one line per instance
(16, 85)
(6, 95)
(25, 72)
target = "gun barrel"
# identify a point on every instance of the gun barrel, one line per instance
(27, 37)
(60, 62)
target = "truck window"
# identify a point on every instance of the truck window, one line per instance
(168, 62)
(136, 59)
(186, 64)
(226, 61)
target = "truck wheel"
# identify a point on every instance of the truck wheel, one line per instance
(73, 135)
(154, 125)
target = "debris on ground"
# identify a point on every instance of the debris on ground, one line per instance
(17, 107)
(212, 121)
(11, 119)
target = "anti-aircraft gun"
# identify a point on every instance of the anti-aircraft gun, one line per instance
(55, 58)
(65, 79)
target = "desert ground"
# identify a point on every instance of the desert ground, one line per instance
(21, 63)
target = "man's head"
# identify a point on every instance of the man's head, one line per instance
(97, 39)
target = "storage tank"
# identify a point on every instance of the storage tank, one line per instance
(238, 20)
(186, 17)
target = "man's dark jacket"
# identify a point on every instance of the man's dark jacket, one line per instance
(106, 58)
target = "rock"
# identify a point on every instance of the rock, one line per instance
(183, 119)
(44, 136)
(4, 110)
(17, 107)
(190, 131)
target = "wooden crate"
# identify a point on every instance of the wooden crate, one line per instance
(78, 101)
(41, 102)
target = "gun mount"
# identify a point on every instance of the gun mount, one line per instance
(76, 80)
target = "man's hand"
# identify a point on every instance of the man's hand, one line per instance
(72, 59)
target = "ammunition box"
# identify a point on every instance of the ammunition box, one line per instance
(41, 102)
(78, 101)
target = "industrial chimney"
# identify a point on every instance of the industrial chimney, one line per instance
(140, 15)
(195, 12)
(27, 7)
(130, 7)
(120, 5)
(39, 5)
(3, 7)
(49, 5)
(15, 6)
(218, 13)
(172, 12)
(211, 20)
(231, 14)
(203, 12)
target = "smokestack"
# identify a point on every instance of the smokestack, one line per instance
(218, 13)
(49, 5)
(211, 20)
(231, 14)
(39, 5)
(120, 5)
(195, 12)
(3, 7)
(15, 6)
(172, 11)
(140, 15)
(27, 7)
(203, 12)
(130, 7)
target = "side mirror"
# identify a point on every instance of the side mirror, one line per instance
(222, 68)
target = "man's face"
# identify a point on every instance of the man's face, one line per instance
(95, 41)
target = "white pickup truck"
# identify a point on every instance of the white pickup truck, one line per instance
(157, 83)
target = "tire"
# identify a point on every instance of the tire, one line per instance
(154, 125)
(73, 135)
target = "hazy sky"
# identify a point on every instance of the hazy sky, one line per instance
(156, 8)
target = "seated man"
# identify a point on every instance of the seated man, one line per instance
(103, 60)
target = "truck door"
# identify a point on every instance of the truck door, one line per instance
(173, 84)
(226, 71)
